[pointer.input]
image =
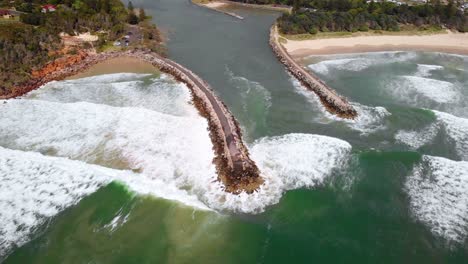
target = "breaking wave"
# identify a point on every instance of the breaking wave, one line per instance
(417, 90)
(438, 191)
(455, 130)
(358, 61)
(369, 120)
(70, 146)
(34, 188)
(161, 94)
(418, 138)
(425, 70)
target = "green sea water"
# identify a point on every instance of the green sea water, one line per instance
(363, 209)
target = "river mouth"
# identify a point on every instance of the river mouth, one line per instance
(336, 189)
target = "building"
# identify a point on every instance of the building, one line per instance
(48, 8)
(6, 14)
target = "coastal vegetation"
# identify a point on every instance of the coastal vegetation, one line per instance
(315, 16)
(48, 30)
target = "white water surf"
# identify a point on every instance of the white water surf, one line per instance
(96, 130)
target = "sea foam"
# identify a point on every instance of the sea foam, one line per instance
(34, 188)
(357, 61)
(418, 138)
(456, 129)
(69, 142)
(369, 120)
(438, 191)
(423, 91)
(425, 70)
(162, 94)
(153, 144)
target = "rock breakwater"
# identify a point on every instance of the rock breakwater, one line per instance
(333, 102)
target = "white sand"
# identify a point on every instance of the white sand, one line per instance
(215, 4)
(450, 42)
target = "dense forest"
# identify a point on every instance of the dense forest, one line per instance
(34, 40)
(312, 16)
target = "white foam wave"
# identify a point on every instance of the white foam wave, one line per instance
(287, 162)
(424, 70)
(34, 188)
(369, 120)
(456, 129)
(358, 61)
(154, 144)
(356, 64)
(417, 139)
(160, 154)
(108, 78)
(119, 137)
(162, 94)
(414, 90)
(438, 191)
(295, 159)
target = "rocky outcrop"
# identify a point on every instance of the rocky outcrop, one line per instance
(234, 166)
(333, 102)
(57, 70)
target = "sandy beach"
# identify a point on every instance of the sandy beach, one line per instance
(450, 43)
(117, 65)
(214, 4)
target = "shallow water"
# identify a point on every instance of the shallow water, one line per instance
(117, 168)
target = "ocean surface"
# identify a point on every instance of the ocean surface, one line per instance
(117, 168)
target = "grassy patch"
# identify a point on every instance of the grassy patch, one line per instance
(405, 31)
(109, 46)
(9, 20)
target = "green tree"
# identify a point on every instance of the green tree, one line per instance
(130, 6)
(132, 18)
(142, 15)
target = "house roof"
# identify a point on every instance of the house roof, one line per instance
(4, 12)
(49, 6)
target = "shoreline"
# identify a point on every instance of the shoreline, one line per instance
(122, 64)
(278, 8)
(234, 167)
(455, 43)
(218, 6)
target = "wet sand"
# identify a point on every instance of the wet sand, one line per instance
(117, 65)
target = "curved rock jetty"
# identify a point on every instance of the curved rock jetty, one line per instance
(235, 168)
(333, 102)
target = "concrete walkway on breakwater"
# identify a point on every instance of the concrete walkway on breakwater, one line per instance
(333, 102)
(234, 166)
